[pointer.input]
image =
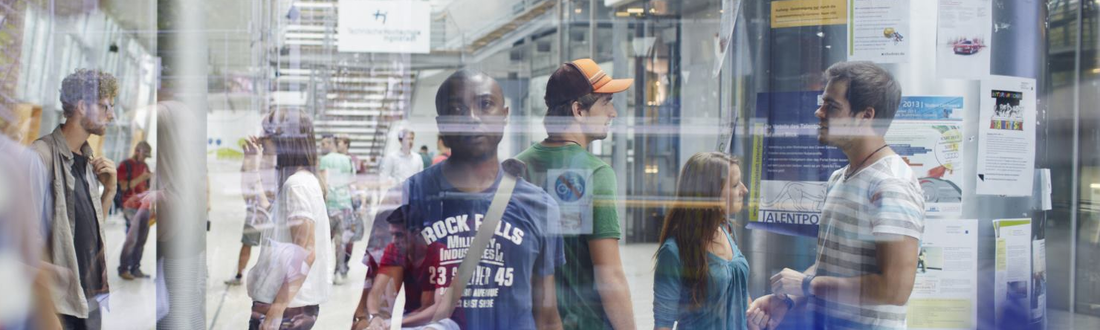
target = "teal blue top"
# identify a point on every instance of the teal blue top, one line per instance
(727, 287)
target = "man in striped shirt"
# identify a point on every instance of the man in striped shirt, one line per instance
(872, 220)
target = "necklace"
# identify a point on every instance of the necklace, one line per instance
(853, 170)
(549, 140)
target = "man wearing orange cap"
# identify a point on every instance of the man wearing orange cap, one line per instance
(592, 291)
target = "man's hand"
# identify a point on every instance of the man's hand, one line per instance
(253, 154)
(104, 170)
(788, 281)
(766, 312)
(378, 323)
(273, 320)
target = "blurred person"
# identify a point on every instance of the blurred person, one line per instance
(338, 172)
(873, 217)
(328, 144)
(701, 279)
(258, 185)
(443, 153)
(291, 278)
(425, 156)
(513, 287)
(133, 180)
(343, 145)
(75, 241)
(401, 165)
(358, 196)
(416, 279)
(25, 210)
(592, 290)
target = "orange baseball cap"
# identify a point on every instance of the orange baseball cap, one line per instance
(578, 78)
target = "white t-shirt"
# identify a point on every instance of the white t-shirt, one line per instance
(883, 198)
(300, 197)
(400, 166)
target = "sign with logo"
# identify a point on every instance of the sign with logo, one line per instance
(572, 189)
(384, 26)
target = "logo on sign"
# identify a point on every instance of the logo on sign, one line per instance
(569, 187)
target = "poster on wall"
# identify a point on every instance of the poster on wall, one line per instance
(1006, 133)
(963, 38)
(1012, 285)
(384, 26)
(1038, 280)
(796, 13)
(877, 31)
(790, 168)
(945, 292)
(927, 134)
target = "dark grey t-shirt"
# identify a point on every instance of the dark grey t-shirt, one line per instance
(86, 235)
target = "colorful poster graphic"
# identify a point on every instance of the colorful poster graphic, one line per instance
(945, 292)
(573, 192)
(795, 13)
(963, 38)
(877, 30)
(790, 167)
(1012, 285)
(927, 134)
(1006, 146)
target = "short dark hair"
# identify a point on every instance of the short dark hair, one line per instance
(869, 86)
(445, 88)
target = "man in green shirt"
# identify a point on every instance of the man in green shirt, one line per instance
(337, 170)
(592, 291)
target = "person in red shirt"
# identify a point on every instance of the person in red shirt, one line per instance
(133, 181)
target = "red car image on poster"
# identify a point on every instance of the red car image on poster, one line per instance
(967, 46)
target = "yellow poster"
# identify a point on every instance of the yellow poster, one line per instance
(794, 13)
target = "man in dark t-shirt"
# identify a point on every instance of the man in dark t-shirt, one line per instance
(443, 206)
(75, 240)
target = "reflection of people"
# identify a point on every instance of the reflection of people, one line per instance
(338, 172)
(77, 176)
(873, 216)
(513, 286)
(291, 279)
(403, 164)
(133, 180)
(443, 153)
(25, 210)
(258, 187)
(701, 278)
(592, 290)
(920, 262)
(425, 156)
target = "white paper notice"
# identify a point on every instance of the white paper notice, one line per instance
(1006, 128)
(963, 38)
(927, 134)
(384, 26)
(730, 10)
(945, 293)
(877, 31)
(1012, 287)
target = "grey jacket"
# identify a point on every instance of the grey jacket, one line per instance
(65, 289)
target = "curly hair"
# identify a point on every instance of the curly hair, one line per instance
(86, 85)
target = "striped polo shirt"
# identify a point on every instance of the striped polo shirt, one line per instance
(883, 198)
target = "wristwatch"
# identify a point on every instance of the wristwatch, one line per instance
(787, 300)
(806, 290)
